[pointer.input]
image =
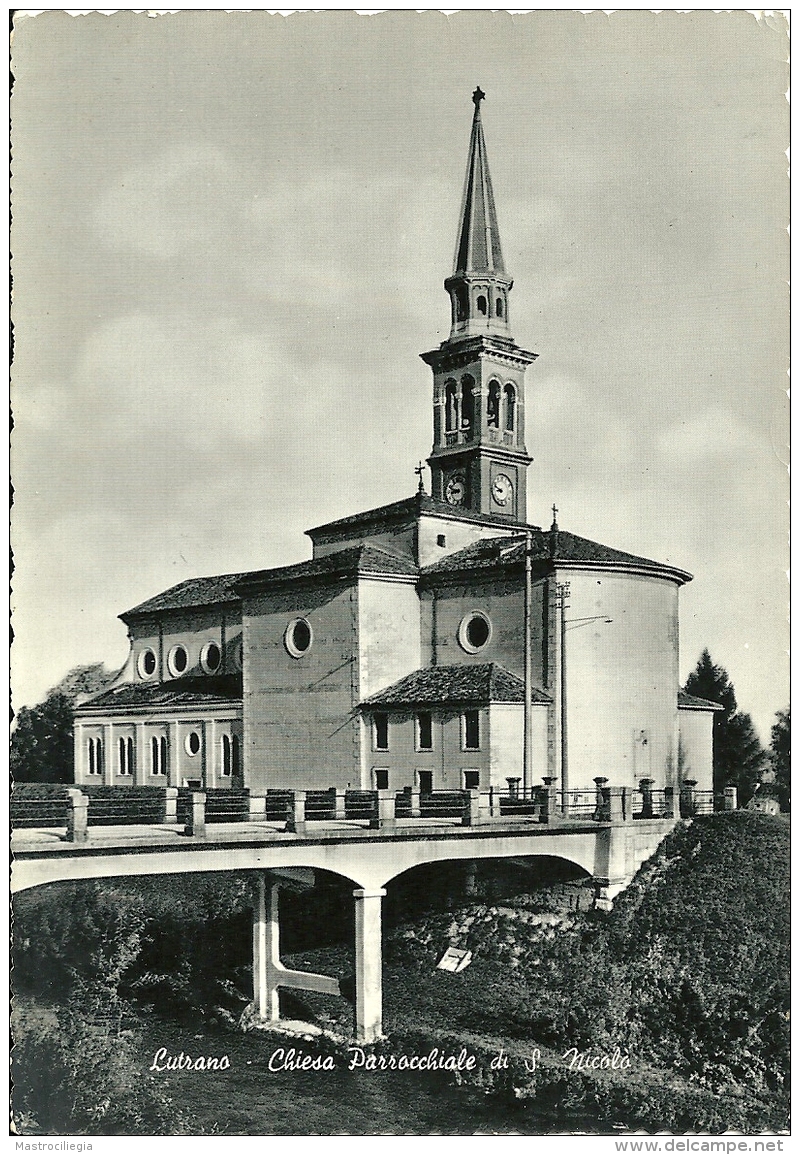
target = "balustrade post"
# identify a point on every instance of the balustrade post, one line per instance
(730, 798)
(196, 826)
(170, 805)
(340, 811)
(619, 805)
(601, 812)
(472, 808)
(687, 798)
(386, 811)
(77, 817)
(669, 802)
(547, 796)
(646, 788)
(296, 821)
(256, 807)
(416, 807)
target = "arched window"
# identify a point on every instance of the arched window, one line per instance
(158, 755)
(126, 757)
(511, 407)
(94, 752)
(467, 402)
(482, 305)
(462, 303)
(498, 307)
(452, 402)
(493, 405)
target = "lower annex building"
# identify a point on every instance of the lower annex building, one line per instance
(402, 653)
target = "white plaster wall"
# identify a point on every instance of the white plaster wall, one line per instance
(507, 738)
(191, 628)
(457, 534)
(697, 746)
(622, 678)
(388, 634)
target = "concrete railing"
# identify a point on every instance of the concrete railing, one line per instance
(302, 811)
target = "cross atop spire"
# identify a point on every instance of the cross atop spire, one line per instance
(478, 248)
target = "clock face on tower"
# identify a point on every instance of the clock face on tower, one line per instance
(502, 489)
(456, 489)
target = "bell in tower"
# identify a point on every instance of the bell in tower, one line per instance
(479, 460)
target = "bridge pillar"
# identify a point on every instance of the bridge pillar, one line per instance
(369, 965)
(266, 946)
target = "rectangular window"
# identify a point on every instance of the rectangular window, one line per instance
(380, 731)
(381, 779)
(424, 731)
(472, 779)
(227, 756)
(471, 730)
(425, 781)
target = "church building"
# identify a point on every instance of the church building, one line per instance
(441, 641)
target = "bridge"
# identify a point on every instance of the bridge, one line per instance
(608, 837)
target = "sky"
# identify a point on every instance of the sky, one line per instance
(230, 233)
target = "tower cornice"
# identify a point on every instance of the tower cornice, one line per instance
(455, 354)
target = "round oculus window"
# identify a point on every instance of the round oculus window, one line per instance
(193, 743)
(177, 661)
(474, 632)
(298, 637)
(147, 663)
(210, 657)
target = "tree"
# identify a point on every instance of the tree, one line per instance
(780, 755)
(738, 753)
(41, 744)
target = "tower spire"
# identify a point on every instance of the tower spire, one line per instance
(478, 245)
(479, 285)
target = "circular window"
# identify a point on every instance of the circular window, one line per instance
(177, 661)
(298, 637)
(210, 657)
(147, 664)
(193, 743)
(474, 632)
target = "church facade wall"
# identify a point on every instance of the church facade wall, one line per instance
(300, 726)
(503, 602)
(389, 639)
(621, 677)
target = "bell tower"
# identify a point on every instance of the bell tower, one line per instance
(479, 460)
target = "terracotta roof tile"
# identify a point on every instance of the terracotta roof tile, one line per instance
(176, 692)
(440, 685)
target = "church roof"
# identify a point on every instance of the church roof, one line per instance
(406, 510)
(456, 685)
(362, 560)
(478, 246)
(557, 547)
(209, 591)
(208, 690)
(689, 702)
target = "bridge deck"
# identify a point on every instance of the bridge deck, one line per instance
(160, 836)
